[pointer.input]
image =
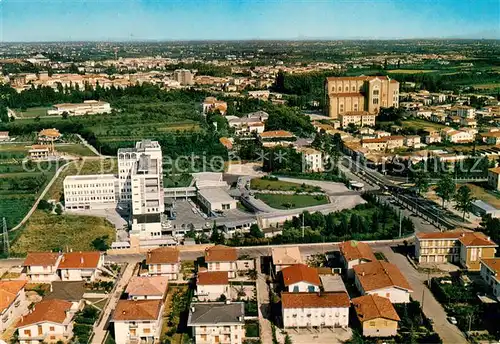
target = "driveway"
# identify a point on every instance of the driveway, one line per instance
(101, 329)
(432, 308)
(263, 306)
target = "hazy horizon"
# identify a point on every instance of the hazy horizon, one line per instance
(37, 21)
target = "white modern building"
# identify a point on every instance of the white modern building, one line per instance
(88, 107)
(84, 192)
(217, 322)
(315, 310)
(216, 199)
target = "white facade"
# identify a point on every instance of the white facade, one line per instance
(216, 199)
(303, 287)
(230, 267)
(17, 307)
(167, 270)
(490, 277)
(45, 332)
(211, 292)
(125, 331)
(43, 274)
(90, 192)
(395, 294)
(312, 160)
(316, 317)
(88, 275)
(230, 334)
(88, 107)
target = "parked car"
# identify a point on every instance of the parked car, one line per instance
(453, 320)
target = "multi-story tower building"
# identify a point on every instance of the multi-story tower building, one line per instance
(183, 76)
(360, 93)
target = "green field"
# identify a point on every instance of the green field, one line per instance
(489, 86)
(48, 232)
(267, 184)
(421, 124)
(74, 149)
(279, 201)
(32, 112)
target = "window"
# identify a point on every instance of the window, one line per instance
(310, 289)
(375, 101)
(27, 333)
(375, 92)
(147, 330)
(372, 323)
(296, 289)
(52, 329)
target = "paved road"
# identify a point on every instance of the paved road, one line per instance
(101, 329)
(263, 305)
(432, 308)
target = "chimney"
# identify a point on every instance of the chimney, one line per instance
(81, 260)
(228, 302)
(363, 273)
(192, 309)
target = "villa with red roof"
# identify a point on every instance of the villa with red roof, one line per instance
(13, 303)
(490, 273)
(354, 253)
(221, 258)
(210, 285)
(300, 278)
(42, 266)
(80, 266)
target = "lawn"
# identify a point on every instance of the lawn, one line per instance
(291, 201)
(174, 326)
(421, 124)
(272, 184)
(49, 232)
(74, 149)
(32, 112)
(81, 167)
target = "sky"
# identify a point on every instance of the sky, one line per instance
(124, 20)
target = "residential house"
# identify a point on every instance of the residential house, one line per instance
(394, 142)
(212, 104)
(459, 136)
(377, 316)
(283, 257)
(490, 269)
(210, 285)
(312, 160)
(383, 279)
(457, 246)
(493, 178)
(221, 258)
(433, 138)
(137, 321)
(42, 266)
(217, 322)
(13, 302)
(354, 253)
(147, 288)
(68, 291)
(276, 138)
(48, 322)
(412, 141)
(300, 278)
(39, 152)
(468, 122)
(164, 261)
(375, 144)
(465, 111)
(309, 310)
(80, 266)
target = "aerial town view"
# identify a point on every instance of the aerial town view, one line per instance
(249, 172)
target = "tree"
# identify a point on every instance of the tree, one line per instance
(255, 231)
(100, 243)
(421, 184)
(288, 340)
(216, 237)
(445, 188)
(464, 199)
(65, 115)
(58, 209)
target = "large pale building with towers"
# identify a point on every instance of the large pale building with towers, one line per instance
(360, 93)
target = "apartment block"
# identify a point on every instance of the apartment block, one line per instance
(84, 192)
(183, 77)
(357, 118)
(360, 93)
(221, 258)
(312, 160)
(458, 246)
(307, 310)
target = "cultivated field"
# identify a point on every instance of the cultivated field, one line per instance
(32, 112)
(410, 71)
(421, 124)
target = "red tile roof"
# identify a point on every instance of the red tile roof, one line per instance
(147, 286)
(352, 250)
(213, 278)
(132, 310)
(80, 260)
(46, 311)
(276, 133)
(493, 264)
(8, 292)
(300, 273)
(41, 259)
(220, 253)
(163, 255)
(315, 300)
(379, 274)
(370, 307)
(454, 234)
(476, 239)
